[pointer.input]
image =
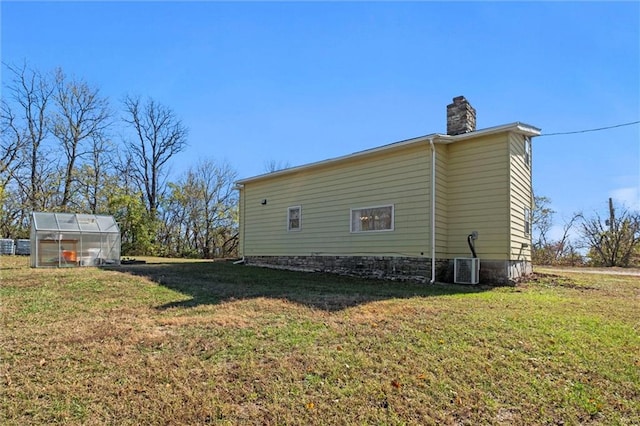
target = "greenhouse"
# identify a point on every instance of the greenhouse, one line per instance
(72, 239)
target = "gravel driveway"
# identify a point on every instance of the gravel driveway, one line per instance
(635, 272)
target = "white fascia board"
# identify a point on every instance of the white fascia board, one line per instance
(517, 127)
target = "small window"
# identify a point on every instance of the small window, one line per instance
(294, 218)
(370, 219)
(527, 151)
(527, 221)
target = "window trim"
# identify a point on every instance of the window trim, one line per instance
(527, 151)
(393, 219)
(289, 210)
(527, 221)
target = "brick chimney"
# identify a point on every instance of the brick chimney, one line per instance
(461, 117)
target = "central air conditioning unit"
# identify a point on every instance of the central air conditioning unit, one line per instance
(466, 270)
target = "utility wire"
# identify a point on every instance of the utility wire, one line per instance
(590, 130)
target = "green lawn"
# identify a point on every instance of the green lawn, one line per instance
(215, 343)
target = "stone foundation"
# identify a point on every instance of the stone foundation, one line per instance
(499, 272)
(386, 267)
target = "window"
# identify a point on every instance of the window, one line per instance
(527, 151)
(372, 219)
(527, 221)
(294, 218)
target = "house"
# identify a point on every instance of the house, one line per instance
(406, 210)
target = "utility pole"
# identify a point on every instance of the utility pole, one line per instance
(612, 216)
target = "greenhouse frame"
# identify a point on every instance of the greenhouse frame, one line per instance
(74, 239)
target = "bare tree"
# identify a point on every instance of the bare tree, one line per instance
(200, 214)
(273, 166)
(94, 173)
(547, 251)
(541, 220)
(612, 241)
(564, 251)
(218, 199)
(159, 135)
(82, 116)
(28, 125)
(12, 142)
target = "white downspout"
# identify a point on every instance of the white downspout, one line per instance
(433, 212)
(241, 194)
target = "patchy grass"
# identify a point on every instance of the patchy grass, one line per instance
(216, 343)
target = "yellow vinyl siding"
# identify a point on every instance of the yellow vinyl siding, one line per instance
(520, 197)
(478, 199)
(327, 194)
(442, 200)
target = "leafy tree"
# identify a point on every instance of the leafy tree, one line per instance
(219, 200)
(56, 154)
(175, 232)
(136, 228)
(14, 220)
(613, 241)
(200, 212)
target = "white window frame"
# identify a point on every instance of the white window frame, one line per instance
(527, 151)
(360, 231)
(527, 221)
(289, 210)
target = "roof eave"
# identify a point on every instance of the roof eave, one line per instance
(518, 127)
(366, 152)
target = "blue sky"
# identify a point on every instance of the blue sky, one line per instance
(298, 82)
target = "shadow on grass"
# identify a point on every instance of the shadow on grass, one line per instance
(216, 282)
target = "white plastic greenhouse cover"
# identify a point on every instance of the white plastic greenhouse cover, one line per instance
(74, 222)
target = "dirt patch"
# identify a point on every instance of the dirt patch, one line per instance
(553, 280)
